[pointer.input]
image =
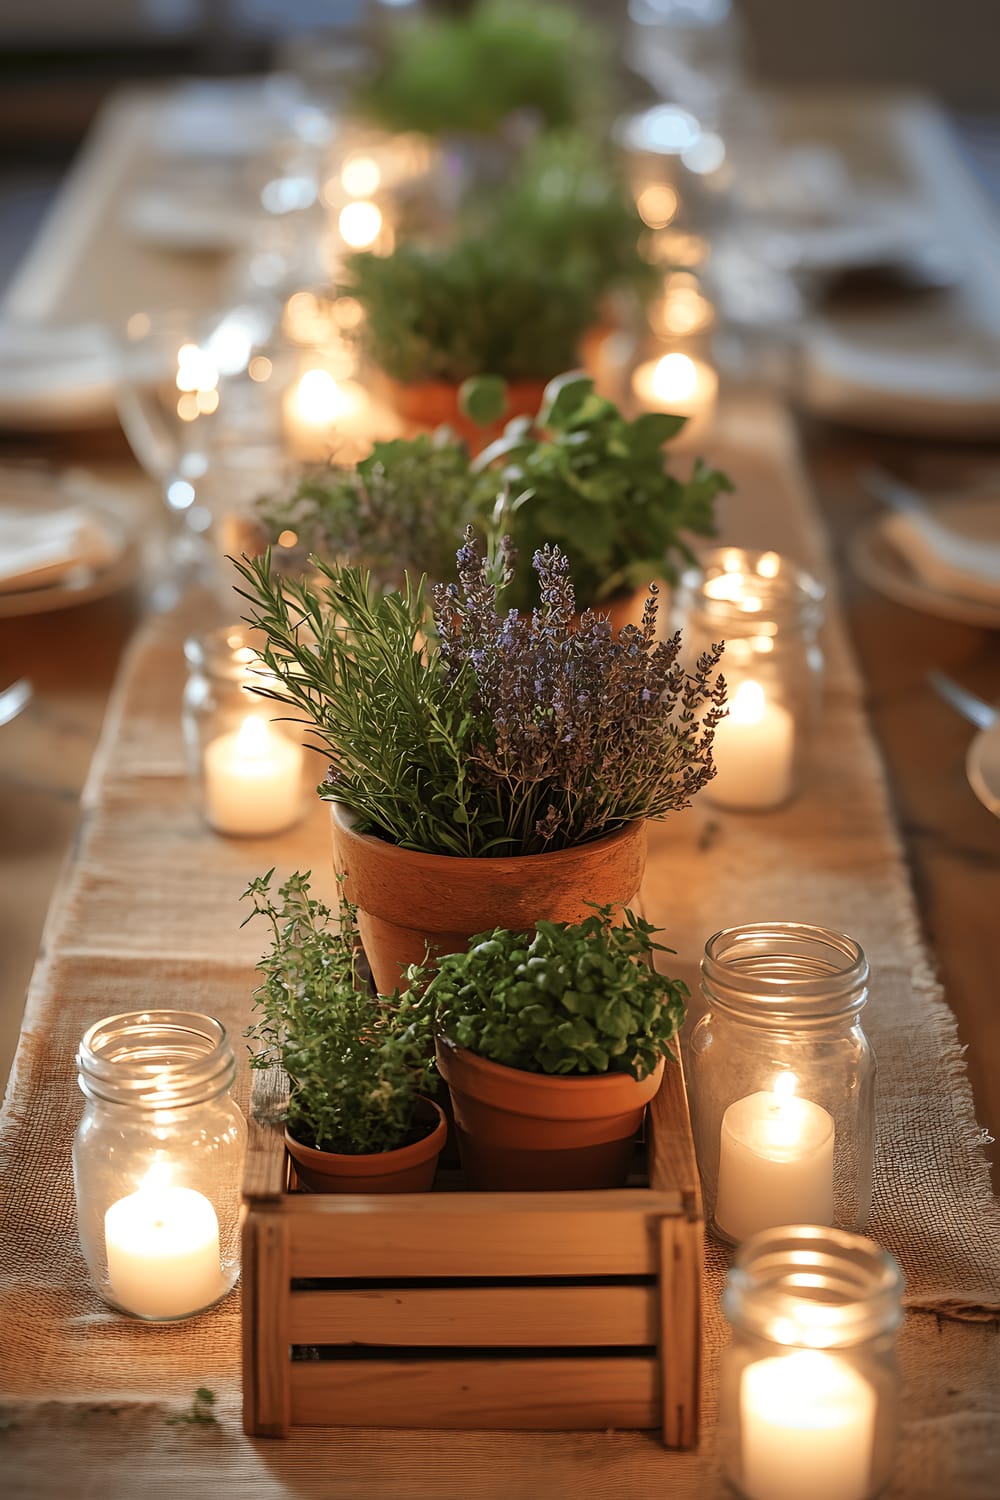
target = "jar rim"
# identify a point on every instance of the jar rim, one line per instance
(781, 586)
(773, 971)
(808, 1286)
(156, 1059)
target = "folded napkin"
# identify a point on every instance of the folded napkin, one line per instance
(37, 548)
(51, 373)
(961, 559)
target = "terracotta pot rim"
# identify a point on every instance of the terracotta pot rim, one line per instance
(374, 1163)
(603, 1087)
(346, 819)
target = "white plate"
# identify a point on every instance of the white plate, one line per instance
(114, 512)
(885, 569)
(56, 376)
(982, 766)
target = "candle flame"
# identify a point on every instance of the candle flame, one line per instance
(747, 707)
(252, 739)
(785, 1084)
(675, 378)
(157, 1178)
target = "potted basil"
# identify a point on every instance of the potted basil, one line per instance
(552, 1042)
(358, 1119)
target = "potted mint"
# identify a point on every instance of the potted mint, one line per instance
(358, 1119)
(579, 474)
(491, 768)
(552, 1042)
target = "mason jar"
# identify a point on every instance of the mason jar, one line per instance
(809, 1389)
(782, 1080)
(247, 764)
(768, 611)
(158, 1161)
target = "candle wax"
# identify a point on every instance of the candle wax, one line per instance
(162, 1248)
(775, 1165)
(753, 752)
(807, 1422)
(253, 780)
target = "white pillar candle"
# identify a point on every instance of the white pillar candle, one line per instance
(683, 386)
(253, 780)
(162, 1247)
(320, 411)
(807, 1424)
(753, 751)
(775, 1162)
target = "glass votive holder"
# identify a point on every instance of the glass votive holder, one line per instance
(769, 612)
(782, 1080)
(157, 1162)
(248, 766)
(672, 376)
(809, 1385)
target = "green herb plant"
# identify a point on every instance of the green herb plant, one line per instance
(357, 1064)
(566, 999)
(201, 1412)
(493, 732)
(585, 478)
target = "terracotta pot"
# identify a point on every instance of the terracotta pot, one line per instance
(408, 902)
(433, 403)
(410, 1169)
(531, 1132)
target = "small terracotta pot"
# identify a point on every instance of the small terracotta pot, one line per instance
(533, 1132)
(410, 1169)
(427, 404)
(409, 902)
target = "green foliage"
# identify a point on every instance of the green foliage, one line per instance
(566, 999)
(400, 508)
(483, 398)
(357, 1063)
(470, 73)
(475, 307)
(201, 1412)
(585, 478)
(502, 735)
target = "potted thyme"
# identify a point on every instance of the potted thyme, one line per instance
(552, 1042)
(496, 769)
(358, 1119)
(578, 474)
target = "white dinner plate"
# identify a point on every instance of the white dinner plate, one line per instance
(110, 509)
(884, 567)
(982, 766)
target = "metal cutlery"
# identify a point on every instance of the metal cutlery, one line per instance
(976, 710)
(13, 699)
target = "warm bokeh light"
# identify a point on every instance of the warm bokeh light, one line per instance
(360, 224)
(675, 378)
(360, 176)
(657, 205)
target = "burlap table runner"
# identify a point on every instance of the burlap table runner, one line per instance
(148, 916)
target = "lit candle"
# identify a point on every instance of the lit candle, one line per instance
(162, 1246)
(753, 752)
(253, 780)
(681, 385)
(775, 1162)
(807, 1428)
(318, 409)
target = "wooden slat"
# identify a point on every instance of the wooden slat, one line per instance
(500, 1316)
(488, 1393)
(267, 1396)
(682, 1244)
(478, 1234)
(265, 1170)
(672, 1164)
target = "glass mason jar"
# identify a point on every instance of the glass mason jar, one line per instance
(249, 768)
(809, 1385)
(769, 613)
(157, 1162)
(782, 1080)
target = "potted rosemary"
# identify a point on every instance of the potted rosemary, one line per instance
(552, 1043)
(358, 1119)
(494, 770)
(578, 474)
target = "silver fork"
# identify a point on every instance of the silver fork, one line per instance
(13, 699)
(976, 710)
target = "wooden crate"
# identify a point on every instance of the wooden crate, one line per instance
(460, 1309)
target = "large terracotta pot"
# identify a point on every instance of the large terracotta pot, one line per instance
(410, 1169)
(410, 902)
(434, 403)
(531, 1132)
